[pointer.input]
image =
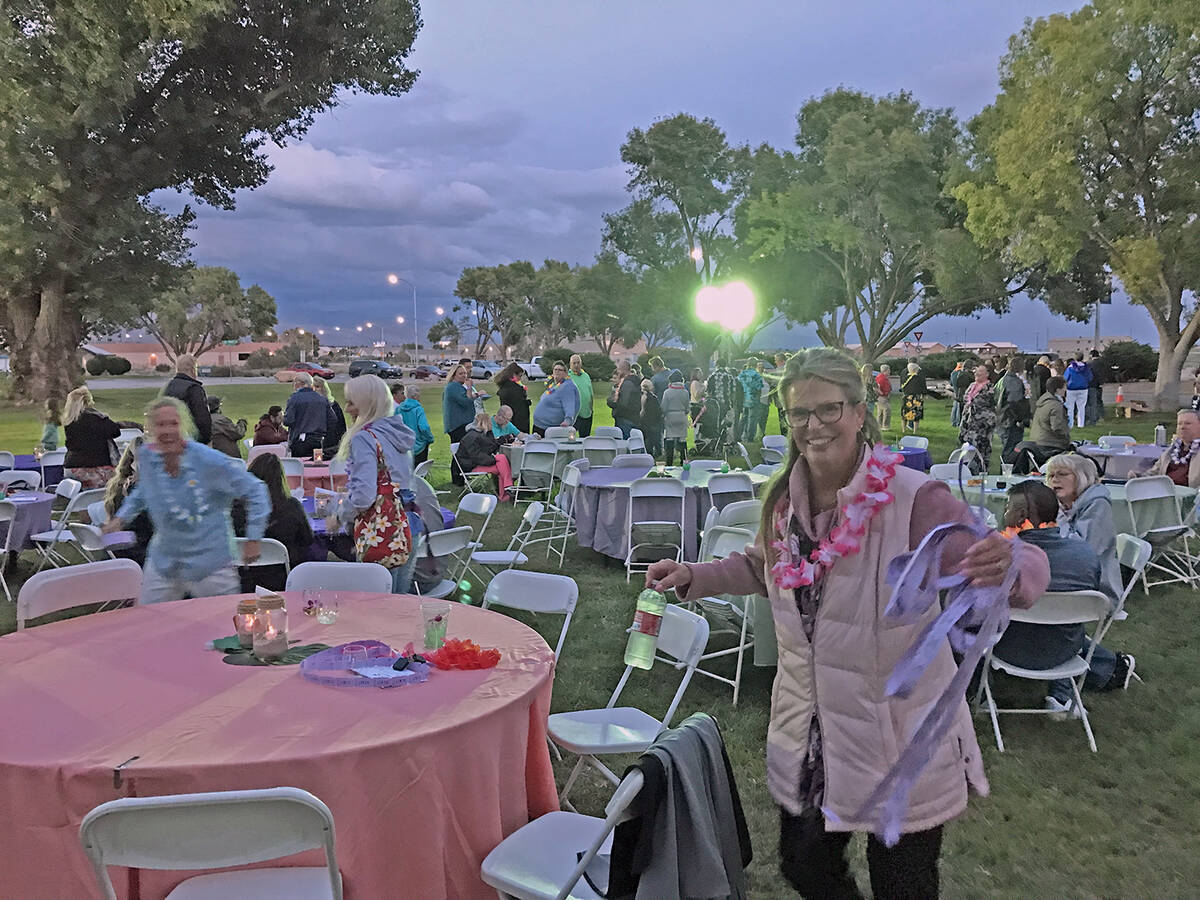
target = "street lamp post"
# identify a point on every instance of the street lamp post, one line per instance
(393, 278)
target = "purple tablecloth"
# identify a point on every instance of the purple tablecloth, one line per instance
(27, 462)
(601, 507)
(32, 517)
(917, 458)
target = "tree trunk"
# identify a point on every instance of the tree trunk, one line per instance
(46, 333)
(1172, 352)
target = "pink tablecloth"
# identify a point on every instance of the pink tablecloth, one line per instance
(423, 781)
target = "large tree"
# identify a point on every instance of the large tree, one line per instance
(1090, 160)
(863, 233)
(608, 303)
(103, 103)
(685, 180)
(206, 307)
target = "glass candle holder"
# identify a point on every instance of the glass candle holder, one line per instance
(435, 617)
(270, 629)
(243, 622)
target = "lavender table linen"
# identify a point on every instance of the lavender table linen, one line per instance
(916, 458)
(27, 462)
(32, 517)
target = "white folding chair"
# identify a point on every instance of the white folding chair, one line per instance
(600, 451)
(536, 475)
(611, 431)
(726, 615)
(68, 489)
(546, 858)
(767, 469)
(774, 448)
(480, 505)
(280, 450)
(591, 733)
(7, 460)
(51, 458)
(743, 453)
(292, 468)
(946, 471)
(8, 513)
(94, 544)
(562, 514)
(730, 487)
(1157, 519)
(271, 553)
(914, 441)
(249, 442)
(21, 479)
(217, 830)
(1055, 608)
(637, 441)
(514, 555)
(742, 514)
(554, 432)
(654, 533)
(633, 461)
(1116, 441)
(371, 578)
(298, 493)
(97, 513)
(107, 581)
(535, 592)
(425, 469)
(473, 482)
(450, 547)
(337, 468)
(1133, 553)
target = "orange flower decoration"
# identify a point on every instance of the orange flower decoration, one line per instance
(463, 654)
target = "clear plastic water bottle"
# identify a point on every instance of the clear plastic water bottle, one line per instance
(643, 634)
(1160, 435)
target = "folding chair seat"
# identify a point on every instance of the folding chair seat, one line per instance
(536, 592)
(651, 531)
(591, 733)
(217, 830)
(1157, 519)
(1055, 608)
(545, 859)
(95, 545)
(513, 555)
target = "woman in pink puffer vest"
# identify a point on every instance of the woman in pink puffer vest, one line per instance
(834, 733)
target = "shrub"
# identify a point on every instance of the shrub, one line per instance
(599, 366)
(937, 365)
(220, 371)
(95, 365)
(1127, 361)
(162, 367)
(117, 365)
(553, 355)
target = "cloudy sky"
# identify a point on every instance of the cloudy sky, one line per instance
(508, 146)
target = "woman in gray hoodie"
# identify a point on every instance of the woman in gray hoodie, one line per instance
(377, 432)
(1086, 512)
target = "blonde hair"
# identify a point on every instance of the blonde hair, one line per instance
(369, 395)
(186, 423)
(77, 401)
(1081, 467)
(818, 364)
(322, 388)
(124, 477)
(913, 368)
(454, 372)
(483, 421)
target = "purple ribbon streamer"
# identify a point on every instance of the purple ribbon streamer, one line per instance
(972, 619)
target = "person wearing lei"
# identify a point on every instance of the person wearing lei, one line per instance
(1181, 461)
(840, 510)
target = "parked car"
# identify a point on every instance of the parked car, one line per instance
(533, 368)
(373, 367)
(482, 369)
(424, 372)
(316, 371)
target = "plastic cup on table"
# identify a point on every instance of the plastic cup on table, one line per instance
(435, 616)
(354, 655)
(327, 607)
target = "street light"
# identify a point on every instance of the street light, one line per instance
(440, 311)
(393, 278)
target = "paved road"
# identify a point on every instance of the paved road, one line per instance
(150, 381)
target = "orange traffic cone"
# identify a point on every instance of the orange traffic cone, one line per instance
(1120, 393)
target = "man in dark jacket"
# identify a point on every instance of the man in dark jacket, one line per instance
(186, 387)
(308, 418)
(626, 398)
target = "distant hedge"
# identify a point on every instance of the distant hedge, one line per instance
(94, 365)
(116, 365)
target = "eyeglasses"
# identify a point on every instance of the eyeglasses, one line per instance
(826, 413)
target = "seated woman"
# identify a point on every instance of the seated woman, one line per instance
(288, 523)
(269, 429)
(479, 451)
(503, 428)
(1086, 512)
(1032, 515)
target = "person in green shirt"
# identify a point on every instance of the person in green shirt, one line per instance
(52, 419)
(583, 382)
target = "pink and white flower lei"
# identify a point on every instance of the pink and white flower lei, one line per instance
(792, 571)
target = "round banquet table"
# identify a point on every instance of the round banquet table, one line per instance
(423, 781)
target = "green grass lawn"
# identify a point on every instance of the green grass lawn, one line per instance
(1061, 822)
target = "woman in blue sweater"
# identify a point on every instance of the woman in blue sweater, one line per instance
(458, 408)
(559, 404)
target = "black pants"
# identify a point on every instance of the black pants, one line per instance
(583, 426)
(813, 861)
(671, 445)
(456, 435)
(1010, 435)
(421, 457)
(303, 447)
